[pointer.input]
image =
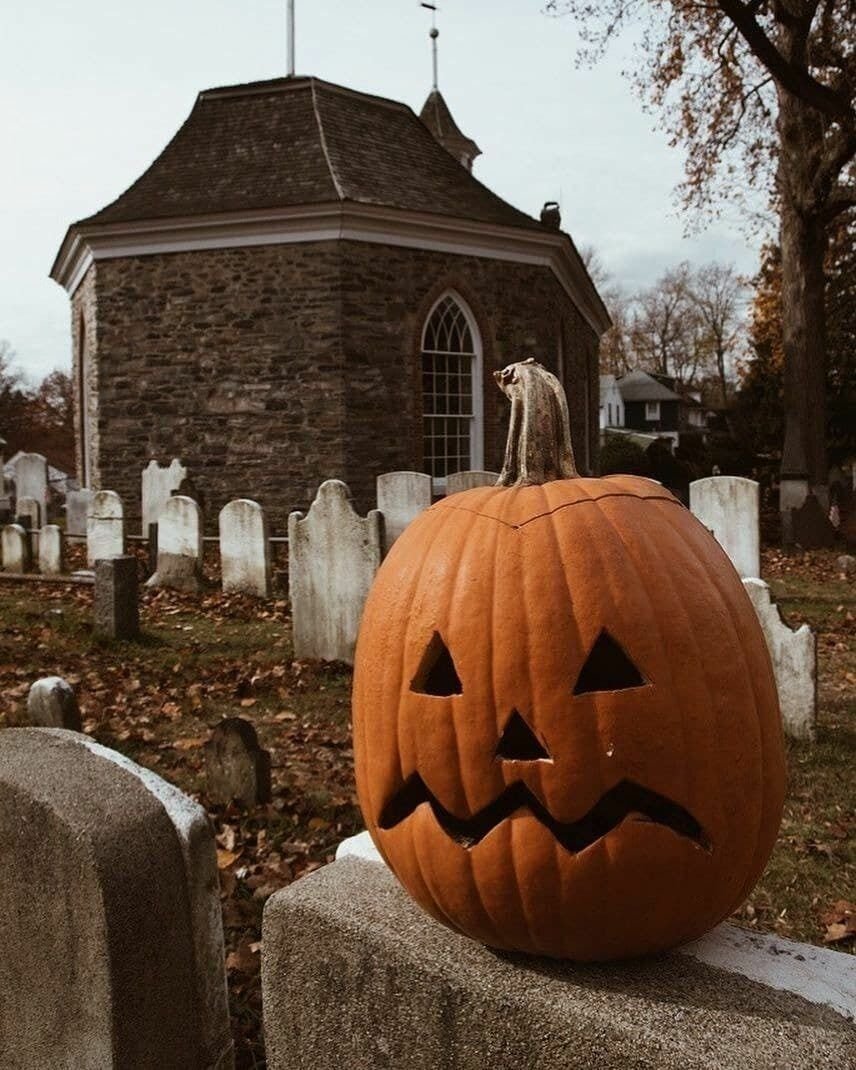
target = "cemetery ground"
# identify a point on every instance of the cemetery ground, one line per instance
(203, 657)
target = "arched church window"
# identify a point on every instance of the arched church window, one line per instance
(451, 390)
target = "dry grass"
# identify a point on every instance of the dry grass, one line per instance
(205, 657)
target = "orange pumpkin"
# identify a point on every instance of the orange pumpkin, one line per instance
(566, 729)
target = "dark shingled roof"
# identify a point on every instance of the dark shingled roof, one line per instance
(302, 141)
(640, 386)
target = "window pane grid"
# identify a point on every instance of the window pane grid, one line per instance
(447, 390)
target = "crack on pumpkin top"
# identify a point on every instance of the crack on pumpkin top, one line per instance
(565, 505)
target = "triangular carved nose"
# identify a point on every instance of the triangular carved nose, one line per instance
(519, 743)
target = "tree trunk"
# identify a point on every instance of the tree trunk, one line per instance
(804, 337)
(803, 243)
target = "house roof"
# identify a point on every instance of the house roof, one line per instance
(640, 386)
(436, 116)
(301, 159)
(303, 141)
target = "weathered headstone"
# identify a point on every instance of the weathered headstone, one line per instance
(845, 563)
(51, 703)
(236, 767)
(50, 551)
(179, 545)
(31, 479)
(15, 541)
(794, 658)
(116, 604)
(354, 974)
(157, 486)
(109, 914)
(401, 497)
(105, 527)
(333, 555)
(30, 509)
(244, 548)
(458, 481)
(728, 506)
(809, 525)
(77, 503)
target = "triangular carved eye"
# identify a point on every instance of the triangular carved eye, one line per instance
(437, 674)
(519, 743)
(607, 668)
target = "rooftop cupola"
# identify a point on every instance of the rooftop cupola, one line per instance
(437, 117)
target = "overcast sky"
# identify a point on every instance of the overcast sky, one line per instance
(92, 91)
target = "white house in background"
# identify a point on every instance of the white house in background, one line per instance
(611, 403)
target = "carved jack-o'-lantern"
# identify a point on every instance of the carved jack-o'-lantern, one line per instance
(566, 728)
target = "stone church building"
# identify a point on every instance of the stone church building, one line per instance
(308, 283)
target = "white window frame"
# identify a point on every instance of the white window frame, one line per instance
(652, 410)
(477, 418)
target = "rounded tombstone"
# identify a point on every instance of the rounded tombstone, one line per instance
(566, 731)
(51, 703)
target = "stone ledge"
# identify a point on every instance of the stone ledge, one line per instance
(356, 976)
(817, 974)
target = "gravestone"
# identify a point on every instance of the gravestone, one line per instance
(355, 974)
(794, 658)
(401, 497)
(157, 486)
(15, 544)
(31, 479)
(51, 703)
(109, 914)
(458, 481)
(50, 551)
(179, 545)
(809, 525)
(728, 506)
(244, 548)
(236, 767)
(105, 527)
(29, 509)
(116, 602)
(333, 555)
(77, 503)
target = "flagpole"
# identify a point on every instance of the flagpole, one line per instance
(291, 38)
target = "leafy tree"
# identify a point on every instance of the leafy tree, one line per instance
(667, 333)
(758, 91)
(759, 415)
(39, 419)
(14, 400)
(716, 293)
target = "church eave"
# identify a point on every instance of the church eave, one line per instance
(339, 220)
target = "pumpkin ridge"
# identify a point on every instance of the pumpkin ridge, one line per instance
(415, 853)
(652, 604)
(752, 879)
(655, 551)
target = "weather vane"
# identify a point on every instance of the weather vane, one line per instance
(435, 33)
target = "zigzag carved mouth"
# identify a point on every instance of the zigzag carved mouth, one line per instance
(626, 800)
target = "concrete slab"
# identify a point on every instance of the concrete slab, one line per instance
(355, 975)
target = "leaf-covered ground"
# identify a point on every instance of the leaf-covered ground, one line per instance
(209, 656)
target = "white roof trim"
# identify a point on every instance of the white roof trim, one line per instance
(339, 221)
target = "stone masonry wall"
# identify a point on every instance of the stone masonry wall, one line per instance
(84, 339)
(521, 310)
(229, 359)
(269, 369)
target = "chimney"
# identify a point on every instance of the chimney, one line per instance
(551, 216)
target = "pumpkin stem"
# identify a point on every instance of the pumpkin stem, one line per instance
(539, 447)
